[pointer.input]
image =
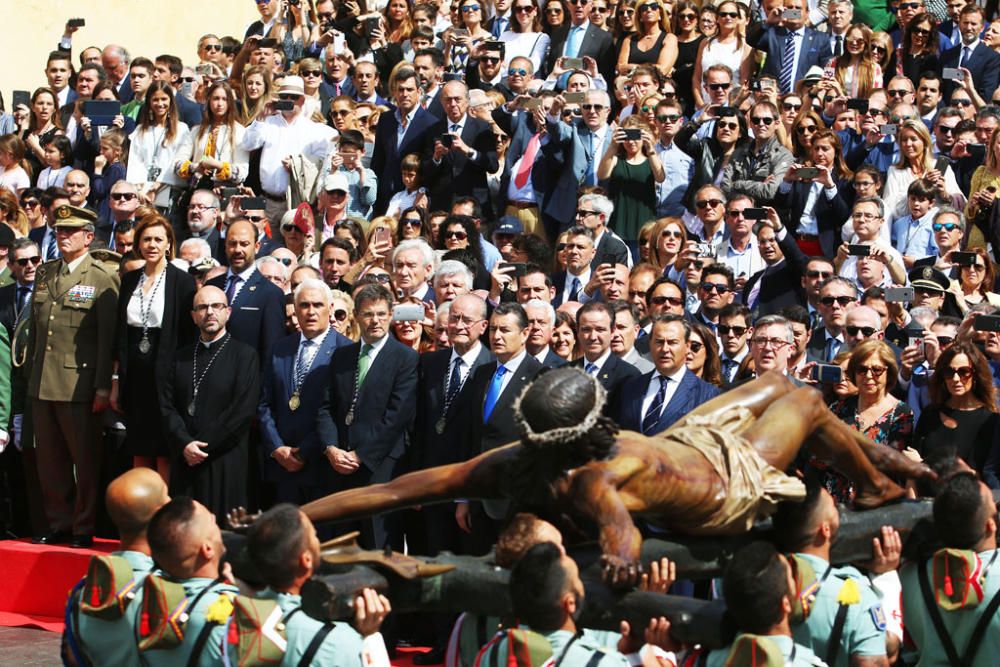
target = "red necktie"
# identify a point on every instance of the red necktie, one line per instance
(521, 178)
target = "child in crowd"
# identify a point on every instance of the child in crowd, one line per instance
(411, 181)
(58, 152)
(14, 169)
(108, 170)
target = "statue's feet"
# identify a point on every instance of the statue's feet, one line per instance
(897, 464)
(876, 497)
(619, 572)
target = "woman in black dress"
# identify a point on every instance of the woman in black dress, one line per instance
(918, 53)
(43, 124)
(689, 38)
(154, 321)
(652, 43)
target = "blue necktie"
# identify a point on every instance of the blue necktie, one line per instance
(590, 368)
(590, 176)
(729, 367)
(493, 393)
(234, 280)
(574, 290)
(51, 249)
(499, 25)
(832, 348)
(788, 63)
(454, 382)
(573, 42)
(652, 416)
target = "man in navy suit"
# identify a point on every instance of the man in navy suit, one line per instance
(972, 54)
(366, 84)
(580, 38)
(459, 170)
(369, 405)
(651, 403)
(412, 265)
(258, 306)
(811, 48)
(430, 68)
(398, 134)
(490, 416)
(295, 378)
(541, 323)
(595, 324)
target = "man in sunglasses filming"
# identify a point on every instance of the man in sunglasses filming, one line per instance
(836, 296)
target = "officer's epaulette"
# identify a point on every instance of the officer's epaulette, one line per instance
(43, 270)
(106, 256)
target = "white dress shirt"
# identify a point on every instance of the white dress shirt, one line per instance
(278, 138)
(654, 387)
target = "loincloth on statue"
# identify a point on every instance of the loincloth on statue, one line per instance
(753, 487)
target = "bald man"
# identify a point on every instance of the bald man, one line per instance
(132, 499)
(77, 184)
(862, 323)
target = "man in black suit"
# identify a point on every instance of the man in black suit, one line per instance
(391, 146)
(459, 170)
(811, 48)
(580, 38)
(369, 405)
(541, 323)
(779, 284)
(429, 64)
(973, 54)
(202, 223)
(836, 296)
(593, 211)
(258, 306)
(45, 236)
(122, 202)
(534, 283)
(491, 424)
(15, 298)
(595, 324)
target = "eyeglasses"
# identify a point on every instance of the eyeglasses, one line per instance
(339, 194)
(910, 5)
(963, 372)
(718, 86)
(978, 267)
(864, 184)
(897, 92)
(572, 112)
(864, 216)
(29, 203)
(205, 307)
(867, 332)
(255, 218)
(460, 235)
(200, 207)
(290, 228)
(288, 97)
(311, 72)
(726, 329)
(625, 12)
(468, 9)
(578, 2)
(340, 112)
(721, 288)
(773, 343)
(669, 94)
(24, 261)
(802, 129)
(788, 106)
(340, 314)
(875, 371)
(730, 125)
(592, 107)
(212, 47)
(554, 10)
(946, 226)
(844, 301)
(187, 79)
(583, 213)
(668, 118)
(823, 275)
(671, 234)
(462, 320)
(734, 213)
(645, 108)
(944, 129)
(493, 60)
(517, 71)
(705, 203)
(762, 120)
(672, 300)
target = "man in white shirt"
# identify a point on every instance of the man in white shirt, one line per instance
(840, 14)
(283, 136)
(741, 253)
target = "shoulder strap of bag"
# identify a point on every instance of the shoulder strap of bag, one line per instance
(979, 632)
(314, 645)
(935, 614)
(833, 645)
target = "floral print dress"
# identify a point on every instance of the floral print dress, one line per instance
(893, 429)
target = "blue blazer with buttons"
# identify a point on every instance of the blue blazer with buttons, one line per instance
(814, 51)
(258, 312)
(692, 392)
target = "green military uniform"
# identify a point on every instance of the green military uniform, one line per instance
(589, 649)
(864, 627)
(922, 645)
(113, 642)
(6, 277)
(73, 315)
(211, 652)
(795, 655)
(6, 409)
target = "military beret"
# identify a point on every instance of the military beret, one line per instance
(75, 217)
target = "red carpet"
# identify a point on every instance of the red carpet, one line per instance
(36, 579)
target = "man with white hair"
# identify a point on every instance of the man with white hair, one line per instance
(593, 211)
(451, 280)
(294, 454)
(862, 323)
(274, 271)
(193, 249)
(412, 265)
(541, 323)
(772, 344)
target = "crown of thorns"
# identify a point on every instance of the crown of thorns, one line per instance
(562, 434)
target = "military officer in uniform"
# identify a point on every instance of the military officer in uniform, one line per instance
(845, 623)
(73, 313)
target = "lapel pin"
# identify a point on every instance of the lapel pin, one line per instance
(253, 287)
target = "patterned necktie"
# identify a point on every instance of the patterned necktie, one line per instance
(574, 290)
(590, 368)
(234, 281)
(838, 50)
(493, 393)
(729, 367)
(788, 63)
(364, 363)
(455, 381)
(652, 415)
(302, 362)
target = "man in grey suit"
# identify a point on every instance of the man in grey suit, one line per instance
(574, 151)
(623, 338)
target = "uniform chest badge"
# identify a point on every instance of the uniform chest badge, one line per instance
(80, 293)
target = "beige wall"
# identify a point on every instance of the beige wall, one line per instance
(144, 27)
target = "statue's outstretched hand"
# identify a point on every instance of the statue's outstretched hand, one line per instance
(619, 572)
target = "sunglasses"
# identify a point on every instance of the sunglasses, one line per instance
(312, 72)
(127, 196)
(560, 247)
(649, 6)
(910, 5)
(668, 118)
(961, 103)
(599, 10)
(287, 261)
(646, 108)
(876, 47)
(212, 47)
(844, 301)
(592, 107)
(788, 106)
(762, 120)
(671, 234)
(696, 346)
(24, 261)
(187, 79)
(687, 17)
(963, 372)
(730, 125)
(460, 235)
(554, 10)
(290, 228)
(572, 112)
(335, 193)
(30, 203)
(875, 111)
(340, 314)
(802, 129)
(718, 86)
(946, 226)
(288, 97)
(818, 274)
(705, 203)
(897, 92)
(468, 9)
(411, 222)
(726, 329)
(728, 15)
(868, 332)
(720, 288)
(254, 218)
(517, 72)
(493, 60)
(626, 12)
(525, 9)
(876, 371)
(944, 129)
(672, 300)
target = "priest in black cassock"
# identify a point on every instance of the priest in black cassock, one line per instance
(209, 399)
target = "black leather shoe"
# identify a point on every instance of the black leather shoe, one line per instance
(82, 541)
(53, 537)
(432, 657)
